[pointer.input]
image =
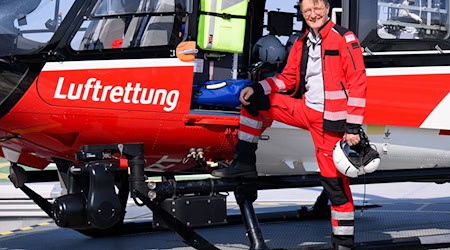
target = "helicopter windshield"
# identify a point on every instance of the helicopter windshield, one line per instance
(133, 23)
(26, 26)
(111, 7)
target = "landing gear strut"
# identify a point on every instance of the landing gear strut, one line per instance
(140, 191)
(245, 195)
(18, 177)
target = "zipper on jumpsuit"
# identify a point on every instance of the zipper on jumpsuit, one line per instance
(353, 61)
(343, 89)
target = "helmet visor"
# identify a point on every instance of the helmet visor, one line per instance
(352, 155)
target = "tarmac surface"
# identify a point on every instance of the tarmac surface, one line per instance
(417, 211)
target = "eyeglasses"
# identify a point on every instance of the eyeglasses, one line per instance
(316, 10)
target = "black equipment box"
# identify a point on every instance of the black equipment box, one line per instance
(195, 211)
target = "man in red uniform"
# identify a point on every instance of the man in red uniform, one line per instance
(322, 89)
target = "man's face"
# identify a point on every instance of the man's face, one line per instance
(315, 13)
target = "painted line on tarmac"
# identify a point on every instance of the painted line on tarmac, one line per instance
(276, 203)
(4, 165)
(22, 229)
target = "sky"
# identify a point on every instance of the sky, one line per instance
(284, 5)
(37, 18)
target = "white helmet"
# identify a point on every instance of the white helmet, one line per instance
(352, 163)
(269, 49)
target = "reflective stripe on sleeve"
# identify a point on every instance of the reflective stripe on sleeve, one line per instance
(355, 119)
(335, 95)
(280, 84)
(356, 102)
(266, 87)
(335, 116)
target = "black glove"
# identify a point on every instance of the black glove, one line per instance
(252, 109)
(258, 101)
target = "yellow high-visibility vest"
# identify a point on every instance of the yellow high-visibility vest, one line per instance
(222, 25)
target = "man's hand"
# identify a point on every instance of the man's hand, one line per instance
(245, 95)
(352, 139)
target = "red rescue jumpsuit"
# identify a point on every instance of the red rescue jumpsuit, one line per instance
(344, 105)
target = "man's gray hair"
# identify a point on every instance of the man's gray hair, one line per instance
(326, 2)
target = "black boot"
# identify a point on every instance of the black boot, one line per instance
(343, 242)
(341, 247)
(236, 170)
(243, 166)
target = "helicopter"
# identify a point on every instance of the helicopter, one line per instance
(113, 92)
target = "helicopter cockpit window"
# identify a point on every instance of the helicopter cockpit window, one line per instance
(413, 19)
(404, 25)
(27, 25)
(133, 23)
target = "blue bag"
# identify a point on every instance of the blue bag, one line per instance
(222, 93)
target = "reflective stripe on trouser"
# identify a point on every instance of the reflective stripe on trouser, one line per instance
(342, 225)
(342, 209)
(284, 109)
(294, 112)
(250, 127)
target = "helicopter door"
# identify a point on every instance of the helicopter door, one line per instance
(125, 59)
